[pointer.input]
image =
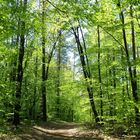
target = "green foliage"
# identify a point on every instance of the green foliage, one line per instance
(118, 103)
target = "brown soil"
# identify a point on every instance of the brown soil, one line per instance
(61, 131)
(57, 131)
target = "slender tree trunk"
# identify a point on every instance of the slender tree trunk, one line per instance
(99, 72)
(107, 87)
(44, 109)
(35, 87)
(17, 106)
(58, 80)
(87, 74)
(110, 95)
(134, 80)
(45, 65)
(132, 73)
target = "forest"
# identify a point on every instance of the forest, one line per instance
(69, 63)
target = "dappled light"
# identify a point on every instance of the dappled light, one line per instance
(69, 69)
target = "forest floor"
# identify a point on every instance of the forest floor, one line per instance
(58, 131)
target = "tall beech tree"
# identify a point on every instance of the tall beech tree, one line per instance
(132, 71)
(99, 68)
(86, 72)
(44, 110)
(58, 77)
(22, 24)
(134, 80)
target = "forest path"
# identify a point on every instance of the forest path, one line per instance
(54, 131)
(62, 131)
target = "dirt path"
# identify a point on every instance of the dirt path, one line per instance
(61, 131)
(58, 131)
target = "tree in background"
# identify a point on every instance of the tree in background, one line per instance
(53, 53)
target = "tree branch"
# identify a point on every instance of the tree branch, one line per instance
(112, 36)
(58, 9)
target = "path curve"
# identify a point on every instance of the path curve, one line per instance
(59, 131)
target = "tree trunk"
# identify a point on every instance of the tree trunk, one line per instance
(86, 72)
(44, 111)
(99, 73)
(35, 88)
(58, 80)
(132, 73)
(19, 79)
(134, 80)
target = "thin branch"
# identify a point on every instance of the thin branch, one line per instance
(112, 36)
(58, 9)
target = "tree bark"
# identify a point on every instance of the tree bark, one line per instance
(132, 72)
(44, 109)
(35, 87)
(87, 74)
(19, 79)
(134, 80)
(58, 81)
(99, 72)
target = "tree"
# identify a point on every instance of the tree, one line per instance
(86, 72)
(20, 66)
(132, 73)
